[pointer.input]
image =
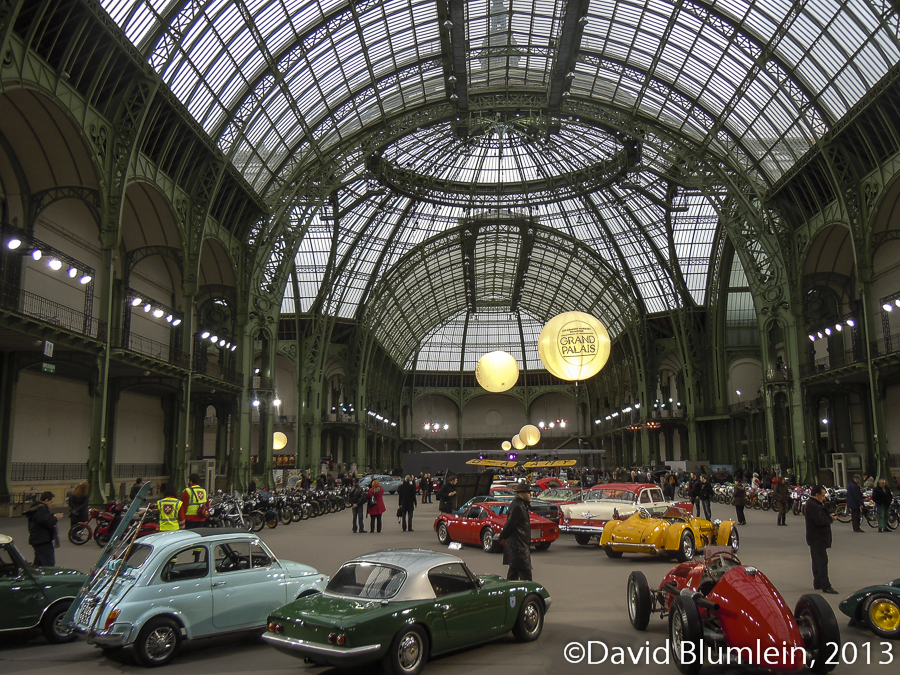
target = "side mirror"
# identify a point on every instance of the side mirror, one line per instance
(615, 513)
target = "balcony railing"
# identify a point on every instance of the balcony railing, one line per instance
(21, 301)
(214, 370)
(832, 361)
(64, 471)
(154, 349)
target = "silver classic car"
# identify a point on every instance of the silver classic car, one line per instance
(186, 584)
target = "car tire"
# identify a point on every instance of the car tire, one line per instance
(610, 553)
(872, 518)
(685, 547)
(734, 539)
(443, 533)
(820, 630)
(543, 546)
(881, 613)
(51, 624)
(582, 539)
(79, 534)
(488, 543)
(408, 652)
(639, 600)
(685, 627)
(530, 621)
(158, 642)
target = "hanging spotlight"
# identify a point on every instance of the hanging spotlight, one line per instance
(820, 334)
(72, 272)
(136, 302)
(233, 347)
(205, 334)
(276, 402)
(851, 322)
(36, 254)
(85, 279)
(887, 307)
(222, 342)
(148, 307)
(838, 327)
(827, 331)
(812, 338)
(214, 339)
(158, 313)
(54, 264)
(256, 403)
(175, 322)
(169, 318)
(13, 244)
(897, 302)
(227, 345)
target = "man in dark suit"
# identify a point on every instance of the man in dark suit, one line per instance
(517, 535)
(408, 502)
(855, 502)
(818, 538)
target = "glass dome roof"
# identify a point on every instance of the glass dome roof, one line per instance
(394, 104)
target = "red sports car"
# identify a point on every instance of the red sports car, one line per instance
(483, 521)
(720, 609)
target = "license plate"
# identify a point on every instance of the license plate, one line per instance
(536, 534)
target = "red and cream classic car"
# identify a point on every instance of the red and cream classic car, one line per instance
(586, 518)
(482, 522)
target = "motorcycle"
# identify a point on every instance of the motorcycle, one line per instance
(106, 522)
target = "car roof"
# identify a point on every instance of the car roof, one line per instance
(413, 560)
(631, 487)
(181, 536)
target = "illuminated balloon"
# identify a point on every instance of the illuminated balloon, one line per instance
(517, 442)
(574, 346)
(497, 371)
(506, 445)
(279, 440)
(530, 434)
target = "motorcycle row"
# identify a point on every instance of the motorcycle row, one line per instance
(835, 501)
(250, 512)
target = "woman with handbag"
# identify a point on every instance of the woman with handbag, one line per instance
(375, 506)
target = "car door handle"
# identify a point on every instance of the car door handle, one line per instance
(218, 583)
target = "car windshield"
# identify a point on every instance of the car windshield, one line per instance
(367, 580)
(674, 513)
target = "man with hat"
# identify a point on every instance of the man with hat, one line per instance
(517, 535)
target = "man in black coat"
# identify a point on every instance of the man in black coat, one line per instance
(705, 494)
(694, 492)
(446, 494)
(408, 502)
(855, 502)
(42, 530)
(517, 535)
(818, 538)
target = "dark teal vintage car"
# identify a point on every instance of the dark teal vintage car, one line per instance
(33, 597)
(878, 607)
(400, 607)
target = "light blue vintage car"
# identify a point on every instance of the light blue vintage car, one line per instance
(186, 584)
(389, 483)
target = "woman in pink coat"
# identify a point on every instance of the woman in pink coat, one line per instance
(375, 511)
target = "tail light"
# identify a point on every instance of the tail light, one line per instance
(341, 640)
(332, 638)
(276, 627)
(111, 619)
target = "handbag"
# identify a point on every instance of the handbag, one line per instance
(400, 512)
(372, 503)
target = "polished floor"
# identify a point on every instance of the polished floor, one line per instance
(588, 591)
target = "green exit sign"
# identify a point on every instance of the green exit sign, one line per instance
(48, 367)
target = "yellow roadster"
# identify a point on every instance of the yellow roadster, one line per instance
(676, 533)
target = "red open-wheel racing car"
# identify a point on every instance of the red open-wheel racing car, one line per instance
(723, 612)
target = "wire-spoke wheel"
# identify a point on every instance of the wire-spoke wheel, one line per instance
(158, 642)
(685, 634)
(79, 534)
(686, 547)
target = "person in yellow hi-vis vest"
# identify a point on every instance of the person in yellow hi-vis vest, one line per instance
(169, 510)
(194, 504)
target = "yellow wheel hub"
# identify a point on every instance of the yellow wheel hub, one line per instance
(885, 615)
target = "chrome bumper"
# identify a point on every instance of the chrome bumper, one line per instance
(649, 548)
(586, 529)
(334, 655)
(116, 636)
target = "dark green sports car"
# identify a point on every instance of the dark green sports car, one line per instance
(400, 607)
(35, 596)
(878, 607)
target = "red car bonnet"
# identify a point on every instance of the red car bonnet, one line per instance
(753, 615)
